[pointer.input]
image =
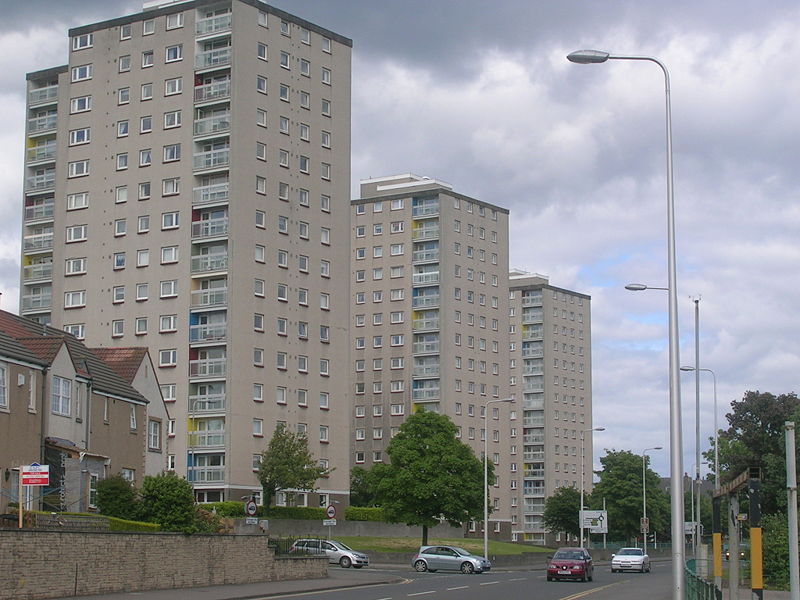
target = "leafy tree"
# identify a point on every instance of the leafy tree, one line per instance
(287, 464)
(776, 551)
(361, 487)
(116, 497)
(168, 500)
(561, 511)
(621, 486)
(432, 475)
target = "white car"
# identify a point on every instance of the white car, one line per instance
(337, 552)
(630, 559)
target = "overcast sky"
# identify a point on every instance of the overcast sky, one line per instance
(481, 95)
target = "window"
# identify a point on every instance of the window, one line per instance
(125, 32)
(75, 266)
(283, 158)
(260, 253)
(325, 203)
(326, 108)
(258, 357)
(262, 51)
(169, 289)
(169, 254)
(302, 197)
(304, 164)
(148, 27)
(305, 100)
(325, 301)
(60, 396)
(283, 191)
(171, 186)
(154, 435)
(302, 363)
(261, 151)
(147, 91)
(78, 168)
(167, 323)
(325, 171)
(79, 42)
(170, 220)
(323, 433)
(302, 230)
(77, 201)
(76, 329)
(173, 86)
(123, 96)
(142, 291)
(168, 357)
(285, 28)
(172, 152)
(79, 136)
(117, 328)
(284, 60)
(75, 299)
(144, 190)
(305, 68)
(173, 53)
(147, 59)
(261, 84)
(76, 233)
(262, 18)
(118, 294)
(172, 119)
(120, 227)
(145, 157)
(81, 73)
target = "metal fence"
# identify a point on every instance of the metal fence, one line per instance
(699, 583)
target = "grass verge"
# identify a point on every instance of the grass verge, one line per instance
(410, 545)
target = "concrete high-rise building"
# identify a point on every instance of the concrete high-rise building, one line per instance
(429, 319)
(551, 372)
(187, 189)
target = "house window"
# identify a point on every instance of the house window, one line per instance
(175, 21)
(174, 53)
(168, 357)
(75, 299)
(154, 435)
(79, 168)
(60, 396)
(79, 136)
(147, 91)
(172, 119)
(173, 86)
(79, 42)
(147, 59)
(81, 73)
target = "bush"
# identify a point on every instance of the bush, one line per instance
(294, 512)
(230, 508)
(116, 497)
(168, 500)
(359, 513)
(776, 551)
(115, 524)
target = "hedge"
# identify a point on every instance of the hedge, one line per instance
(230, 508)
(359, 513)
(115, 524)
(293, 512)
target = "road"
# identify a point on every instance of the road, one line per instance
(508, 585)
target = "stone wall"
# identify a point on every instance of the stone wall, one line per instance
(47, 564)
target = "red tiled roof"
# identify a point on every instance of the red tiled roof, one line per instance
(124, 361)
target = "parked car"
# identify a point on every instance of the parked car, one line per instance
(630, 559)
(570, 563)
(337, 552)
(452, 558)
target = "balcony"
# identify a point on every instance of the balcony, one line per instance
(212, 125)
(533, 421)
(206, 474)
(533, 438)
(425, 233)
(425, 278)
(535, 335)
(208, 298)
(425, 210)
(43, 95)
(43, 210)
(532, 353)
(425, 394)
(41, 153)
(37, 271)
(41, 124)
(206, 263)
(425, 371)
(208, 367)
(40, 241)
(206, 403)
(425, 324)
(535, 300)
(532, 317)
(212, 159)
(210, 228)
(216, 332)
(213, 58)
(535, 403)
(425, 256)
(533, 455)
(216, 24)
(209, 92)
(207, 439)
(533, 387)
(534, 492)
(425, 348)
(534, 473)
(533, 369)
(41, 183)
(37, 301)
(217, 192)
(425, 302)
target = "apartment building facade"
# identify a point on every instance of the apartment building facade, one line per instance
(187, 189)
(551, 373)
(429, 327)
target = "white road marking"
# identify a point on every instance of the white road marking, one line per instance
(460, 587)
(422, 593)
(490, 583)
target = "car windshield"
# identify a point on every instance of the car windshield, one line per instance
(341, 546)
(568, 555)
(631, 552)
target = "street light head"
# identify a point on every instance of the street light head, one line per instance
(658, 448)
(587, 57)
(636, 287)
(687, 368)
(598, 429)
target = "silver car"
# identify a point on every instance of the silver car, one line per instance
(337, 552)
(630, 559)
(452, 558)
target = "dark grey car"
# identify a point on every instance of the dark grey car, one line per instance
(448, 558)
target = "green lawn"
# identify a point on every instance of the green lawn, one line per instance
(410, 545)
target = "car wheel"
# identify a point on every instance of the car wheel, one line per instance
(357, 566)
(583, 577)
(345, 562)
(613, 570)
(591, 576)
(467, 568)
(420, 566)
(549, 578)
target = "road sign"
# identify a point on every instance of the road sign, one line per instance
(596, 521)
(331, 511)
(329, 522)
(645, 524)
(250, 508)
(35, 474)
(251, 520)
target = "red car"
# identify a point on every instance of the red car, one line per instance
(570, 563)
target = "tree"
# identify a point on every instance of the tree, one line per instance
(621, 486)
(116, 497)
(168, 500)
(362, 491)
(432, 475)
(287, 464)
(561, 511)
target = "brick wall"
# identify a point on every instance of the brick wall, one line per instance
(46, 564)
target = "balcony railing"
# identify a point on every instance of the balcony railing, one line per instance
(424, 324)
(532, 300)
(219, 90)
(213, 58)
(425, 347)
(211, 297)
(533, 421)
(532, 353)
(207, 474)
(207, 439)
(533, 370)
(40, 124)
(217, 192)
(426, 371)
(215, 332)
(39, 211)
(217, 124)
(533, 455)
(212, 159)
(216, 24)
(533, 335)
(40, 241)
(425, 233)
(425, 394)
(425, 278)
(533, 387)
(208, 367)
(532, 317)
(533, 403)
(39, 183)
(425, 302)
(37, 271)
(205, 403)
(43, 152)
(44, 94)
(210, 228)
(534, 492)
(534, 473)
(533, 438)
(209, 262)
(425, 210)
(34, 301)
(425, 256)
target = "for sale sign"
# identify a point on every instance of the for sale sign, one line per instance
(35, 474)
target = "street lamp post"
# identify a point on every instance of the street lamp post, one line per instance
(486, 474)
(676, 442)
(583, 477)
(644, 496)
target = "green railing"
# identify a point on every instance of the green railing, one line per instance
(697, 587)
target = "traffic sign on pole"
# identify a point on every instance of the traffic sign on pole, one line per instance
(331, 511)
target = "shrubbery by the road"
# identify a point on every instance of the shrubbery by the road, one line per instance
(359, 513)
